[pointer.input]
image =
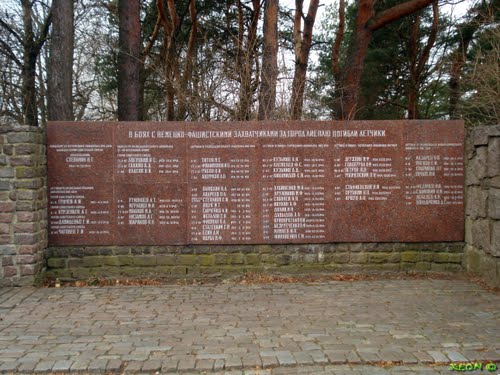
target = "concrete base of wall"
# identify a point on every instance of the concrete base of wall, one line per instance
(483, 265)
(195, 261)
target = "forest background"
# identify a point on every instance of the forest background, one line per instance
(239, 60)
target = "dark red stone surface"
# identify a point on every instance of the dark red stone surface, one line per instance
(80, 183)
(149, 214)
(80, 211)
(252, 182)
(149, 153)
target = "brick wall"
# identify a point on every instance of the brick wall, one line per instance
(482, 224)
(23, 203)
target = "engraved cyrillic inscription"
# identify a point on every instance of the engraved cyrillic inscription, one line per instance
(271, 182)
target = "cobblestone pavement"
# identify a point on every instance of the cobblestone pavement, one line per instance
(319, 328)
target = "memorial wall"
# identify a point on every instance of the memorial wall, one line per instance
(144, 183)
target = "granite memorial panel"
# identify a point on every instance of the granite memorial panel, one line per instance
(255, 182)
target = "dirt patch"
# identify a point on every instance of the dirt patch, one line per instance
(263, 278)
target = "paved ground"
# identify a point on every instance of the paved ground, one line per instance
(323, 328)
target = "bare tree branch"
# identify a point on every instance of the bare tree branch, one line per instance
(7, 27)
(43, 32)
(7, 51)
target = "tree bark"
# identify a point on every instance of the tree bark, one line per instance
(269, 74)
(188, 67)
(339, 37)
(413, 50)
(129, 61)
(60, 67)
(366, 23)
(247, 60)
(361, 40)
(171, 24)
(31, 50)
(397, 12)
(303, 40)
(29, 68)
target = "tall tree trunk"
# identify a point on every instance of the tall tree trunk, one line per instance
(42, 89)
(366, 23)
(170, 24)
(413, 52)
(146, 69)
(30, 112)
(269, 74)
(188, 67)
(246, 55)
(339, 36)
(171, 77)
(417, 63)
(302, 40)
(60, 67)
(361, 39)
(32, 45)
(129, 61)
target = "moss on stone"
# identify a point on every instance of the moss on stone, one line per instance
(455, 258)
(252, 259)
(143, 260)
(125, 260)
(359, 258)
(206, 260)
(446, 267)
(81, 273)
(166, 260)
(441, 257)
(410, 256)
(92, 261)
(268, 258)
(56, 262)
(337, 258)
(406, 266)
(110, 261)
(264, 249)
(426, 256)
(422, 266)
(379, 257)
(237, 258)
(283, 259)
(131, 271)
(187, 259)
(221, 258)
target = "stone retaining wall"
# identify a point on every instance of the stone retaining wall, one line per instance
(195, 261)
(23, 231)
(482, 223)
(23, 204)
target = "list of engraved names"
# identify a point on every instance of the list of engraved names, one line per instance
(238, 183)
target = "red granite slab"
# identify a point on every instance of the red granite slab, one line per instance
(256, 182)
